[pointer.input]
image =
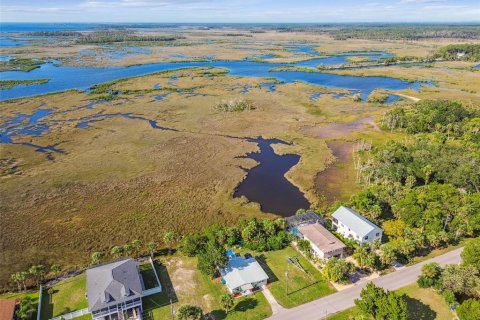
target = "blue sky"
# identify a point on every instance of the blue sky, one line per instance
(240, 11)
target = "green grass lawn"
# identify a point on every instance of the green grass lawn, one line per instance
(32, 294)
(422, 304)
(192, 287)
(302, 287)
(68, 296)
(148, 276)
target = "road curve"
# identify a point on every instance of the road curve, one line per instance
(321, 308)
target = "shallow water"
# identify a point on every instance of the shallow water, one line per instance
(68, 77)
(266, 183)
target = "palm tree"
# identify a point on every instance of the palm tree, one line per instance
(15, 278)
(137, 244)
(152, 247)
(22, 277)
(127, 249)
(169, 238)
(26, 309)
(96, 256)
(55, 269)
(37, 271)
(227, 302)
(116, 252)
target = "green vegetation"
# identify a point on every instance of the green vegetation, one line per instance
(302, 287)
(188, 312)
(469, 310)
(8, 84)
(382, 32)
(464, 52)
(64, 297)
(381, 304)
(103, 37)
(22, 64)
(471, 253)
(338, 270)
(235, 105)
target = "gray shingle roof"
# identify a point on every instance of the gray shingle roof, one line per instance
(240, 271)
(112, 283)
(355, 221)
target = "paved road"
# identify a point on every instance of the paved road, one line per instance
(320, 308)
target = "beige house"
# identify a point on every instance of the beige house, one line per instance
(324, 245)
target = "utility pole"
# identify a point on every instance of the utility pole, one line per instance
(172, 310)
(286, 278)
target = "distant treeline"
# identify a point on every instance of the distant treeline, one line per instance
(465, 52)
(407, 33)
(121, 36)
(53, 34)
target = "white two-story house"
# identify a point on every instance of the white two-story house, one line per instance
(353, 225)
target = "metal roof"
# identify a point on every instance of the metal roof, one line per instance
(355, 221)
(241, 271)
(113, 283)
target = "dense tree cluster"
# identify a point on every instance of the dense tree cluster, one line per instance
(463, 51)
(111, 36)
(209, 247)
(337, 270)
(381, 304)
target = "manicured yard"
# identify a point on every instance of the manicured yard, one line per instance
(67, 296)
(422, 304)
(148, 276)
(192, 287)
(302, 287)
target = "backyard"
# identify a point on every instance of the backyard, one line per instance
(184, 284)
(64, 297)
(422, 304)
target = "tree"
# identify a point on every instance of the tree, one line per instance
(233, 236)
(461, 279)
(55, 269)
(169, 238)
(227, 302)
(304, 246)
(137, 245)
(430, 275)
(388, 253)
(22, 277)
(152, 247)
(37, 272)
(369, 204)
(116, 252)
(365, 257)
(15, 278)
(193, 244)
(337, 270)
(96, 256)
(381, 304)
(471, 253)
(469, 310)
(128, 249)
(26, 309)
(188, 312)
(394, 228)
(212, 258)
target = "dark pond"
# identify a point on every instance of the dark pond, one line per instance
(266, 183)
(67, 77)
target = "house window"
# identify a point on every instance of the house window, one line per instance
(349, 229)
(335, 221)
(366, 237)
(378, 234)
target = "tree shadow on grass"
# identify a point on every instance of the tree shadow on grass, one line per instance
(262, 260)
(242, 306)
(418, 310)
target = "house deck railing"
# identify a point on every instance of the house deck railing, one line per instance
(71, 315)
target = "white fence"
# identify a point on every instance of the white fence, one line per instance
(39, 307)
(72, 315)
(152, 291)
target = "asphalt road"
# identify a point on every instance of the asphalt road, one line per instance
(321, 308)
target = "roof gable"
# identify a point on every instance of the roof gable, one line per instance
(355, 221)
(240, 271)
(113, 283)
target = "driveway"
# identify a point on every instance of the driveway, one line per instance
(321, 308)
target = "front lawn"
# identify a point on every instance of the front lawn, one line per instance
(302, 287)
(67, 296)
(184, 284)
(422, 304)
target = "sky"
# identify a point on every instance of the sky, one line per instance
(205, 11)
